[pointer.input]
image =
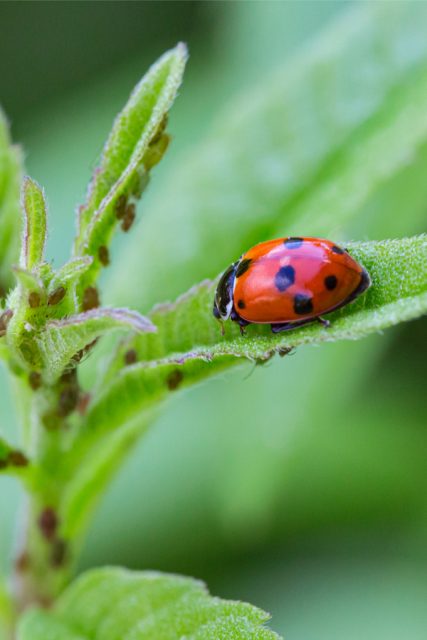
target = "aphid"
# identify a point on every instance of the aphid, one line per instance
(129, 217)
(121, 206)
(56, 296)
(289, 282)
(104, 256)
(34, 299)
(174, 379)
(17, 459)
(35, 380)
(131, 356)
(90, 299)
(48, 523)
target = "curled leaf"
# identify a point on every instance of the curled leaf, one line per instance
(35, 224)
(135, 144)
(63, 339)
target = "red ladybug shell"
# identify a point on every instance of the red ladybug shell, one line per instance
(294, 279)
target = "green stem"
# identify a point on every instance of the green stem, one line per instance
(44, 563)
(6, 613)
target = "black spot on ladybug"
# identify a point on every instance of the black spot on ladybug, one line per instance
(331, 282)
(284, 278)
(293, 243)
(338, 250)
(243, 267)
(241, 304)
(303, 304)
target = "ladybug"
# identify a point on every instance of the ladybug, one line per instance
(289, 282)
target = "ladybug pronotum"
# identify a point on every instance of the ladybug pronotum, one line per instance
(289, 282)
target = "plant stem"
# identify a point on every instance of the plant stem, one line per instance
(6, 613)
(43, 564)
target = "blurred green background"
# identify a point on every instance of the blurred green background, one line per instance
(301, 485)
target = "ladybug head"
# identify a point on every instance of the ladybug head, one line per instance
(223, 303)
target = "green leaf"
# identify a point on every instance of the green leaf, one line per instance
(71, 270)
(35, 225)
(63, 339)
(188, 345)
(28, 279)
(10, 217)
(309, 150)
(136, 143)
(114, 603)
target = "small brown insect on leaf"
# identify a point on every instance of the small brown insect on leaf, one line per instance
(90, 299)
(160, 129)
(78, 357)
(131, 356)
(128, 218)
(4, 321)
(35, 380)
(56, 296)
(34, 300)
(174, 379)
(17, 459)
(121, 206)
(104, 256)
(48, 523)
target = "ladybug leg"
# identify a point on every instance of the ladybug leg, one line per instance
(242, 324)
(287, 326)
(323, 322)
(283, 326)
(234, 316)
